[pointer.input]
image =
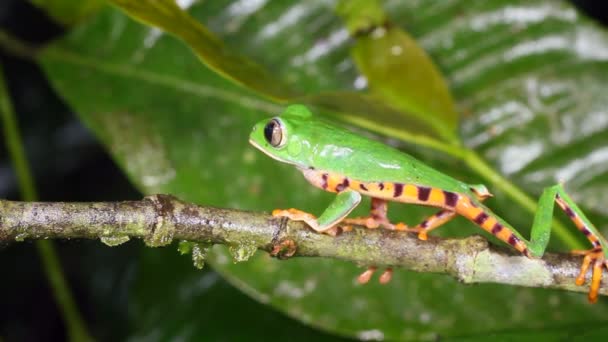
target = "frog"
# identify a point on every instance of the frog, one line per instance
(351, 165)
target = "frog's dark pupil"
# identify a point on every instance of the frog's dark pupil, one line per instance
(268, 130)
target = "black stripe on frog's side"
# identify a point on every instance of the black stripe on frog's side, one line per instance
(497, 228)
(345, 183)
(324, 178)
(481, 218)
(398, 190)
(381, 186)
(423, 193)
(451, 199)
(513, 240)
(363, 187)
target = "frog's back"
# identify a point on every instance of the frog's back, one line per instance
(370, 162)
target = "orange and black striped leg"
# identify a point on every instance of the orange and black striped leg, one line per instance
(429, 224)
(377, 217)
(594, 257)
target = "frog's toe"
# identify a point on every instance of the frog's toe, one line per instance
(385, 277)
(364, 277)
(596, 259)
(368, 222)
(422, 233)
(293, 214)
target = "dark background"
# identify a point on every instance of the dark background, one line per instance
(70, 165)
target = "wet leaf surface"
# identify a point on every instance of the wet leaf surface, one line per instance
(529, 79)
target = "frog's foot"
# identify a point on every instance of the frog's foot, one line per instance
(371, 222)
(309, 219)
(596, 258)
(296, 215)
(337, 230)
(422, 232)
(377, 216)
(385, 277)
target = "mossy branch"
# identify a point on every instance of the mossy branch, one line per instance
(161, 219)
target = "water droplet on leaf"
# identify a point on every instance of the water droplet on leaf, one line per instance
(114, 240)
(199, 254)
(242, 252)
(198, 250)
(185, 247)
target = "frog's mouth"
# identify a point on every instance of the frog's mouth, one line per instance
(256, 145)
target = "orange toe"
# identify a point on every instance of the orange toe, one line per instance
(366, 276)
(596, 258)
(596, 279)
(386, 276)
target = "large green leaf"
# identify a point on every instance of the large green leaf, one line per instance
(530, 75)
(438, 122)
(397, 69)
(68, 12)
(167, 14)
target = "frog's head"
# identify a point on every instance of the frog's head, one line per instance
(286, 137)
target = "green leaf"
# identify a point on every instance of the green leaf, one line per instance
(205, 306)
(573, 333)
(167, 15)
(536, 110)
(355, 108)
(69, 12)
(398, 70)
(231, 64)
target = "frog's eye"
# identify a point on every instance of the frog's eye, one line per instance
(273, 132)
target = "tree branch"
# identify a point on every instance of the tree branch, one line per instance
(161, 219)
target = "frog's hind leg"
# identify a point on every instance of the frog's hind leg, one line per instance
(594, 257)
(442, 217)
(432, 222)
(377, 216)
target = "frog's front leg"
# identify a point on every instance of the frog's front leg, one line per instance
(341, 206)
